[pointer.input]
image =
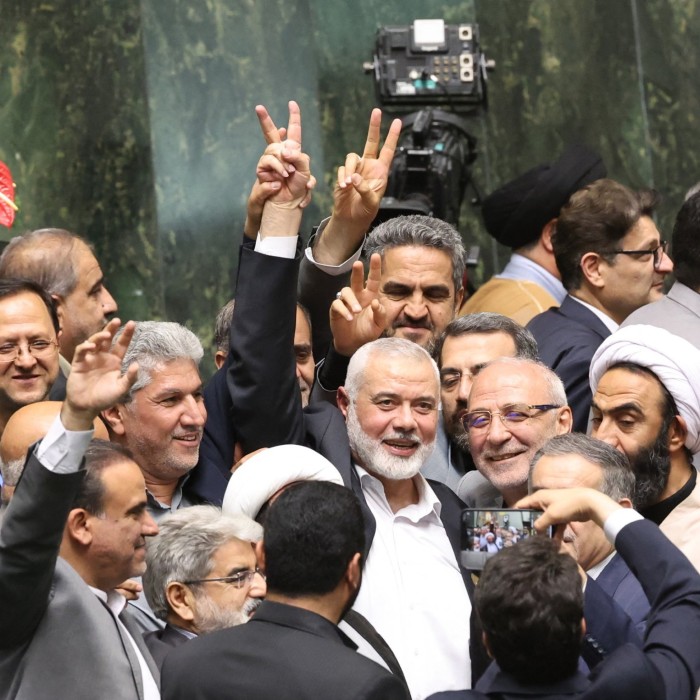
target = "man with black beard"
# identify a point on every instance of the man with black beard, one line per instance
(646, 403)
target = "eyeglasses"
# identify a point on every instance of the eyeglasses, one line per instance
(657, 252)
(38, 349)
(509, 415)
(239, 580)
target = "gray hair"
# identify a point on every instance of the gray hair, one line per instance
(693, 190)
(184, 548)
(156, 343)
(11, 471)
(45, 256)
(386, 347)
(555, 386)
(417, 230)
(222, 326)
(487, 322)
(617, 480)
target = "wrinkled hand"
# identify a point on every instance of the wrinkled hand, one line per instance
(357, 316)
(567, 505)
(95, 381)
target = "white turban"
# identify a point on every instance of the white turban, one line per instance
(263, 475)
(674, 360)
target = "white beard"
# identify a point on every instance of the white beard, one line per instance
(371, 453)
(211, 617)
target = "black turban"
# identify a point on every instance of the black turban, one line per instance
(516, 213)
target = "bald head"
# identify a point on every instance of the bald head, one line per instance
(25, 427)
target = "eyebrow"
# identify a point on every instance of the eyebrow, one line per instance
(622, 408)
(237, 570)
(100, 283)
(137, 509)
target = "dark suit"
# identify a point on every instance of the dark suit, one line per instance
(283, 653)
(161, 642)
(57, 639)
(669, 665)
(567, 339)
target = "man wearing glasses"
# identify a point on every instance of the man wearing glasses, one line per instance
(612, 262)
(202, 575)
(28, 346)
(515, 406)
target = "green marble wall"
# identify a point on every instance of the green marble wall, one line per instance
(132, 122)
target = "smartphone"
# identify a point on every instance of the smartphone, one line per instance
(486, 531)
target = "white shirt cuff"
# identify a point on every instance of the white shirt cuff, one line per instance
(276, 246)
(619, 519)
(62, 450)
(333, 270)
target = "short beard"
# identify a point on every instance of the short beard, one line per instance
(651, 467)
(210, 617)
(372, 455)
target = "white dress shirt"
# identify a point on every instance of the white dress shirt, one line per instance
(413, 592)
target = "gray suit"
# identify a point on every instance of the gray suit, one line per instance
(678, 312)
(57, 639)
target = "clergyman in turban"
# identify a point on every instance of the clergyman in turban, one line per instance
(646, 403)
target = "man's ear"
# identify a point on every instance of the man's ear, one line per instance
(113, 418)
(78, 526)
(565, 420)
(343, 401)
(459, 297)
(677, 434)
(353, 573)
(626, 503)
(487, 646)
(259, 548)
(219, 358)
(181, 600)
(546, 236)
(593, 267)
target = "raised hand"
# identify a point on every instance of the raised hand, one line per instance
(95, 381)
(360, 186)
(357, 316)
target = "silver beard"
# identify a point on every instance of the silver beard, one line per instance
(370, 453)
(211, 617)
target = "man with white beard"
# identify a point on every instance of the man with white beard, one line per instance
(203, 575)
(390, 401)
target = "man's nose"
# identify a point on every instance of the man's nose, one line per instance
(24, 358)
(498, 431)
(109, 306)
(404, 419)
(194, 413)
(258, 586)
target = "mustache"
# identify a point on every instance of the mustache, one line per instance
(250, 606)
(401, 321)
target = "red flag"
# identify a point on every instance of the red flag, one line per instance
(7, 197)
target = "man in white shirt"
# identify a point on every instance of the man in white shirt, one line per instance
(75, 529)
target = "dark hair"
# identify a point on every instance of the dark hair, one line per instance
(222, 325)
(594, 220)
(312, 531)
(530, 603)
(668, 408)
(685, 243)
(487, 322)
(13, 286)
(617, 476)
(99, 455)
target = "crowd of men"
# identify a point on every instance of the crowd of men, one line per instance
(294, 529)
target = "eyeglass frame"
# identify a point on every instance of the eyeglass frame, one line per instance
(18, 347)
(540, 408)
(239, 580)
(657, 258)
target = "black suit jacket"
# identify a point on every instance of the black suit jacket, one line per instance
(283, 653)
(161, 642)
(667, 667)
(567, 338)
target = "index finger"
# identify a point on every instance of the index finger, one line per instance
(357, 277)
(372, 143)
(267, 126)
(375, 273)
(386, 155)
(294, 125)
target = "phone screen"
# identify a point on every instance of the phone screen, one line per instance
(486, 531)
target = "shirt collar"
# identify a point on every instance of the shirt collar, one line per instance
(611, 325)
(597, 570)
(521, 268)
(114, 600)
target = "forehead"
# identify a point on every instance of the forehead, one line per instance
(123, 484)
(500, 384)
(642, 236)
(399, 375)
(414, 264)
(234, 554)
(472, 349)
(302, 330)
(24, 309)
(565, 472)
(180, 375)
(619, 387)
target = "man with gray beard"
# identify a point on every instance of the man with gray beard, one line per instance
(390, 401)
(202, 575)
